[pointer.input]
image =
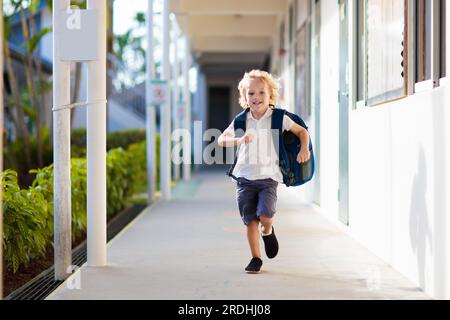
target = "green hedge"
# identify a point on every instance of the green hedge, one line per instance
(118, 139)
(28, 213)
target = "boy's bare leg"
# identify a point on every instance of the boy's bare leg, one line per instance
(266, 224)
(253, 238)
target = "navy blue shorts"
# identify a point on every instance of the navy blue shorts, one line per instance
(256, 198)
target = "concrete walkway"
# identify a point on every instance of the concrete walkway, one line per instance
(195, 247)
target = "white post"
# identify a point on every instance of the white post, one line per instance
(176, 92)
(61, 156)
(187, 112)
(96, 146)
(150, 123)
(165, 111)
(1, 148)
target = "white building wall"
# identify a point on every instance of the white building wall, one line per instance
(398, 205)
(329, 108)
(399, 174)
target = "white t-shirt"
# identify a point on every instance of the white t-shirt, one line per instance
(258, 159)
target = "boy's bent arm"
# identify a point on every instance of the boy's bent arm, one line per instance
(303, 135)
(226, 140)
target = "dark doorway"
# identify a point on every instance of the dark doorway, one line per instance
(218, 114)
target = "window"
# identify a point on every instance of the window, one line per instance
(301, 73)
(291, 24)
(361, 51)
(430, 45)
(443, 25)
(302, 58)
(385, 34)
(423, 41)
(381, 29)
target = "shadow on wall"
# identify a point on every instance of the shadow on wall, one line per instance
(419, 227)
(440, 229)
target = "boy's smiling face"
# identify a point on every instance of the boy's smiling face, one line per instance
(258, 96)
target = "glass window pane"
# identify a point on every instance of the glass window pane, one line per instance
(300, 72)
(362, 65)
(385, 29)
(423, 38)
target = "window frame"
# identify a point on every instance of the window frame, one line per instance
(436, 46)
(362, 77)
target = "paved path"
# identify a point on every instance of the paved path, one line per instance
(194, 247)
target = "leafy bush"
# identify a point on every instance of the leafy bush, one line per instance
(124, 138)
(26, 216)
(15, 157)
(114, 140)
(28, 213)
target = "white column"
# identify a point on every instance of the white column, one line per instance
(1, 148)
(96, 146)
(150, 123)
(61, 157)
(187, 112)
(165, 111)
(176, 92)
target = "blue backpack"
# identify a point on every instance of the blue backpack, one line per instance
(294, 173)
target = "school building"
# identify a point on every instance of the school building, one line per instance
(370, 80)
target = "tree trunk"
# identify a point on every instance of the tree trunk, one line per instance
(21, 126)
(28, 64)
(38, 64)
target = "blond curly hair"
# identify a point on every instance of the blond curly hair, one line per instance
(271, 82)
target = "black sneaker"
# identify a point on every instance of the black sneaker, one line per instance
(271, 244)
(254, 266)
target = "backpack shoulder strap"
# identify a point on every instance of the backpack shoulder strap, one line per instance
(277, 118)
(240, 121)
(239, 124)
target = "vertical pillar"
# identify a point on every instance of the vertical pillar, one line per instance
(165, 111)
(176, 92)
(61, 156)
(150, 119)
(187, 113)
(1, 148)
(96, 146)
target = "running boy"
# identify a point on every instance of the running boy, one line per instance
(257, 183)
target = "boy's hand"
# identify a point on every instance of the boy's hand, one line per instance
(246, 139)
(303, 155)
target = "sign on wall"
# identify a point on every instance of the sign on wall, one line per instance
(158, 92)
(77, 35)
(181, 109)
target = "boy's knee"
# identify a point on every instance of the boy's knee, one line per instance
(265, 220)
(253, 224)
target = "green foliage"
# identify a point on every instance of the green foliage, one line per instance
(28, 213)
(15, 157)
(138, 166)
(33, 42)
(119, 180)
(124, 138)
(114, 140)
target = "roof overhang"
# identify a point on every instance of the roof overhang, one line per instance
(229, 33)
